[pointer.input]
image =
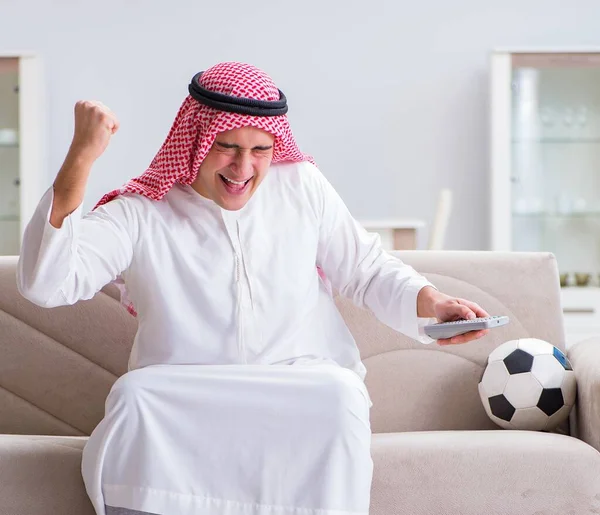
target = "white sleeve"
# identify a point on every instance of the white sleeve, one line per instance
(357, 266)
(61, 266)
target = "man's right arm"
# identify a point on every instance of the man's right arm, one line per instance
(64, 257)
(69, 187)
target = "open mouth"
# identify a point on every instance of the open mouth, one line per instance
(235, 187)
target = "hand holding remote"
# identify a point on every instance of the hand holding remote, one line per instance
(432, 303)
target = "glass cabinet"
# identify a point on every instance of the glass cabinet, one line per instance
(22, 120)
(9, 157)
(545, 169)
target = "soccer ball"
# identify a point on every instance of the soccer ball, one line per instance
(528, 384)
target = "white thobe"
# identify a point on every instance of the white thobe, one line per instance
(217, 291)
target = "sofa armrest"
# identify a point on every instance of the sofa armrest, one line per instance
(41, 475)
(585, 358)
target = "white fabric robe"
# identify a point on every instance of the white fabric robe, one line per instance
(229, 298)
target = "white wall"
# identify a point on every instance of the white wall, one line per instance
(389, 96)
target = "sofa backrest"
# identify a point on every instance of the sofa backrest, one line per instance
(430, 387)
(58, 365)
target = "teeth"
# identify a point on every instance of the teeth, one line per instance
(235, 182)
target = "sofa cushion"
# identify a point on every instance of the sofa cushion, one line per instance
(419, 473)
(468, 472)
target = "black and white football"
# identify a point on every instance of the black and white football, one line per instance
(528, 384)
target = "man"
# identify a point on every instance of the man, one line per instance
(245, 390)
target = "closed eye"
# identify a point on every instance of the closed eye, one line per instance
(230, 146)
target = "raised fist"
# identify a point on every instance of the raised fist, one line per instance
(94, 125)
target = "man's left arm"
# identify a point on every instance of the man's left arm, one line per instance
(357, 266)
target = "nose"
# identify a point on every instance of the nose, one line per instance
(242, 166)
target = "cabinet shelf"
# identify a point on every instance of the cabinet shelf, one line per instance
(556, 141)
(9, 145)
(556, 215)
(9, 218)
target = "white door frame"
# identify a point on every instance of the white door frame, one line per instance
(31, 134)
(500, 151)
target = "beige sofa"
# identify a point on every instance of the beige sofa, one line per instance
(435, 450)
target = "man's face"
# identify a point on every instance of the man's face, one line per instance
(236, 164)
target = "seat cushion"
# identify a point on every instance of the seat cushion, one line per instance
(40, 475)
(484, 472)
(421, 473)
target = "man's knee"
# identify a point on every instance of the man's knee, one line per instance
(344, 398)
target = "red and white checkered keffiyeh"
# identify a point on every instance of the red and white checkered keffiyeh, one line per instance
(195, 128)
